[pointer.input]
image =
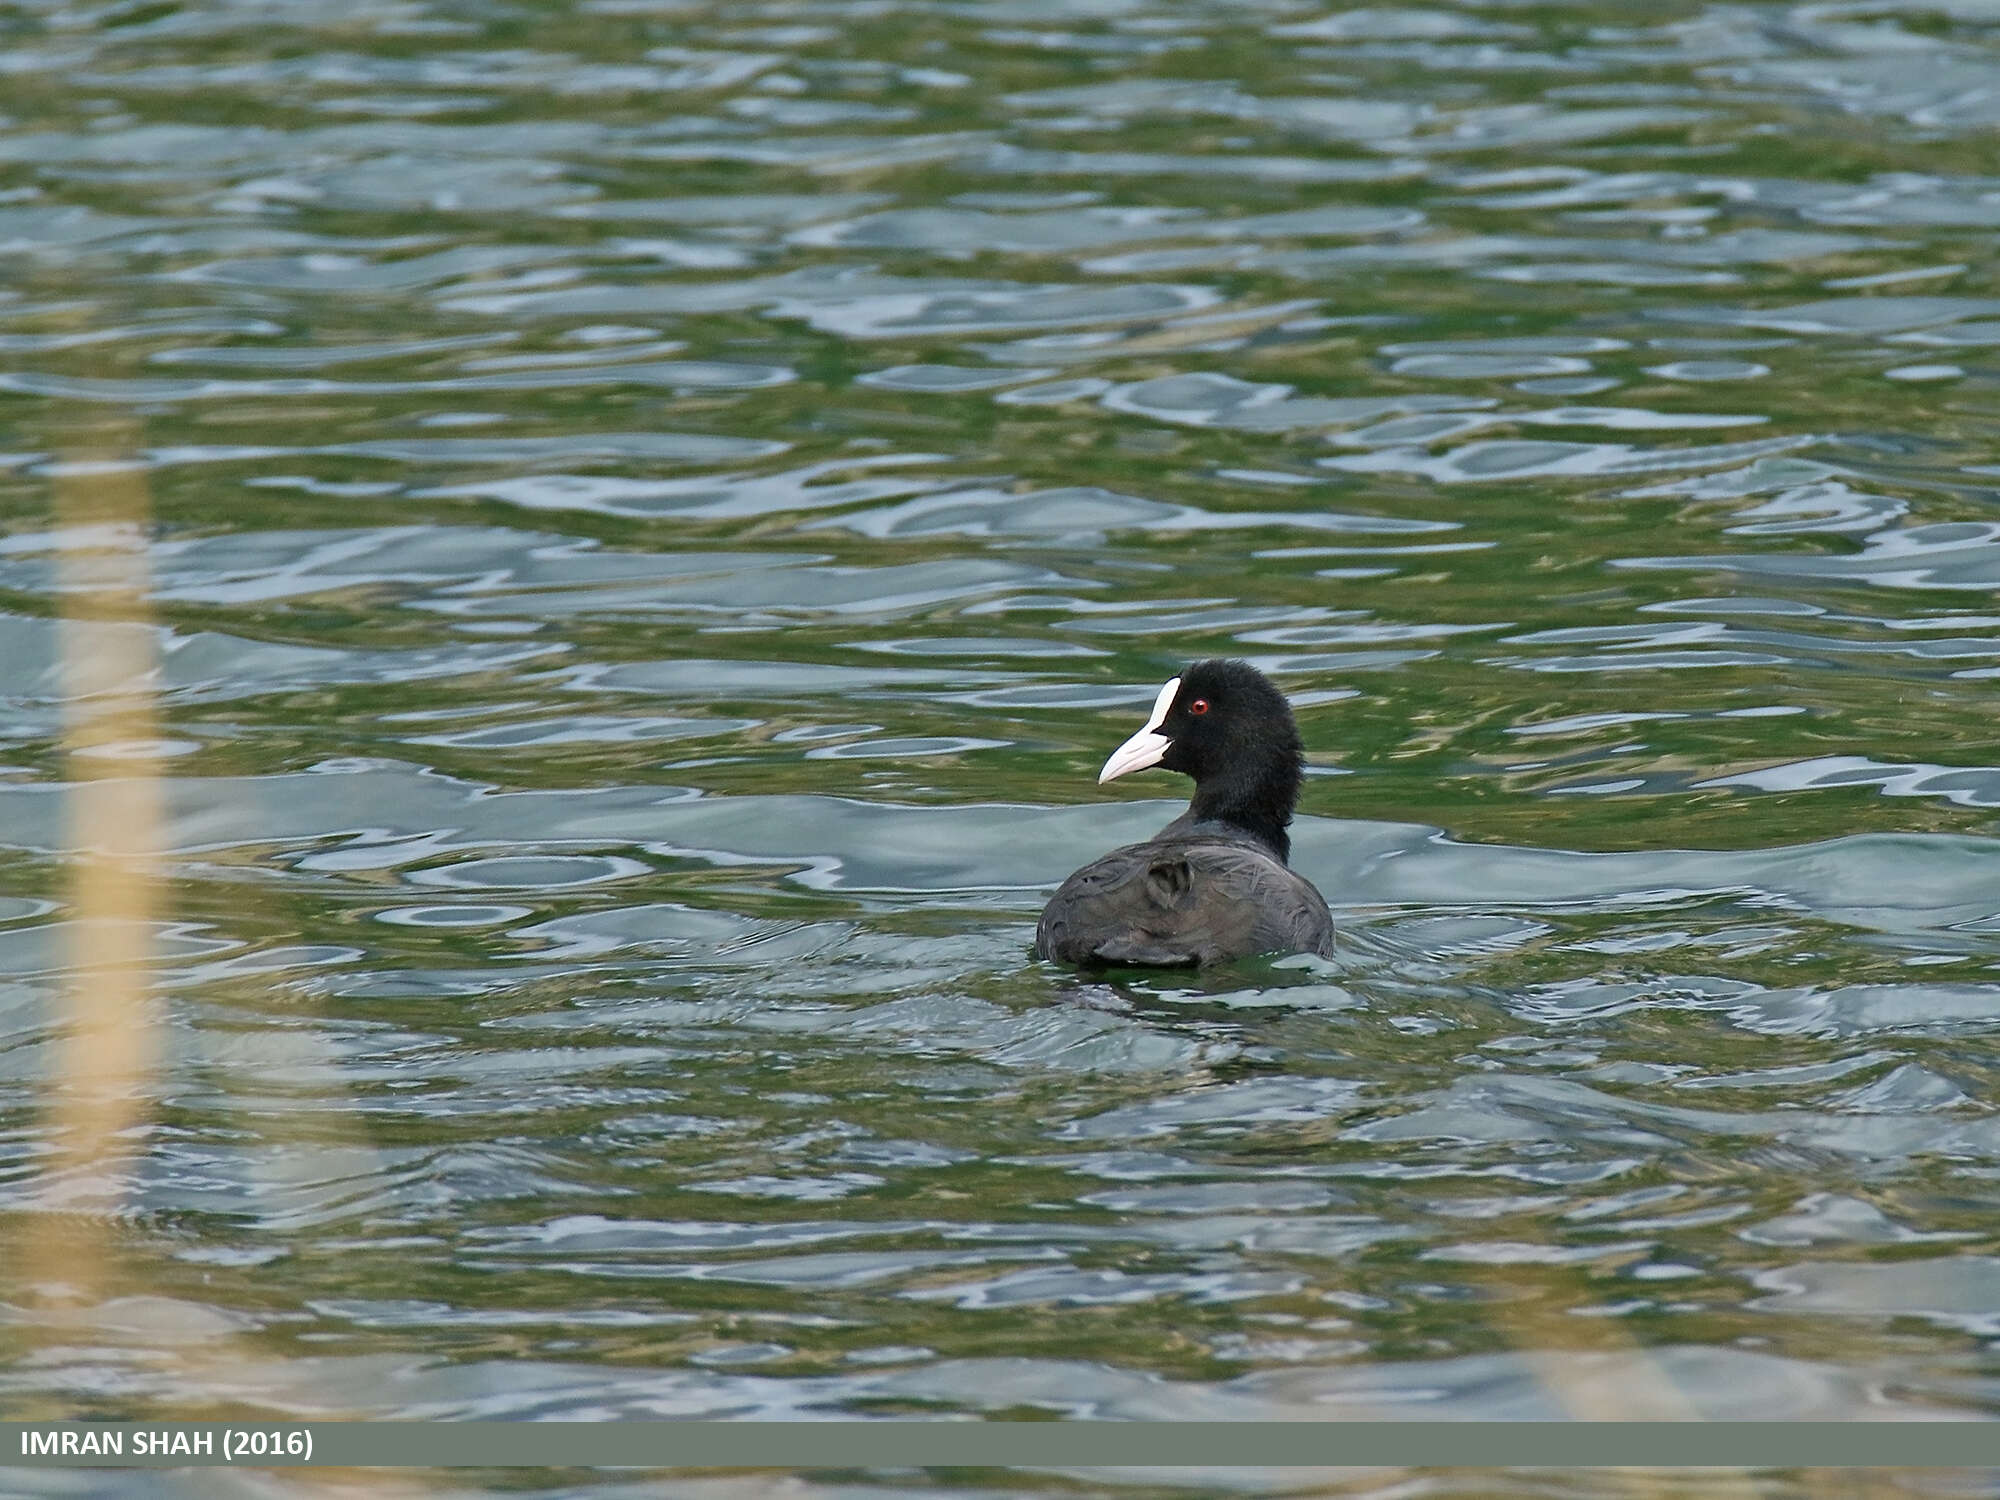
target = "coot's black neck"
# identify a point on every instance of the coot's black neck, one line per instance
(1254, 796)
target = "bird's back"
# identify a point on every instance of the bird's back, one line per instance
(1186, 897)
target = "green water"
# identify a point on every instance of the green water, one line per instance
(654, 515)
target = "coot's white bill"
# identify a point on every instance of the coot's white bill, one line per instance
(1147, 746)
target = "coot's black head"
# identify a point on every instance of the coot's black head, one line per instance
(1227, 726)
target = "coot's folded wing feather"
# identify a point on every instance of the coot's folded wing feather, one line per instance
(1183, 901)
(1290, 913)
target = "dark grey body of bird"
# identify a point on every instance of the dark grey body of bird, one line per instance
(1197, 893)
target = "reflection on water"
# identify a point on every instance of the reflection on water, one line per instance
(659, 509)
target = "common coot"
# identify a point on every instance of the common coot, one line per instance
(1213, 884)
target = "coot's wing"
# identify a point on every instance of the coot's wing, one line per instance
(1100, 914)
(1290, 916)
(1183, 901)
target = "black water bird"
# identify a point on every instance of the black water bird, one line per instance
(1213, 884)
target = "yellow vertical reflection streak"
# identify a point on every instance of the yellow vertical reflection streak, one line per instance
(105, 1056)
(1622, 1383)
(99, 1082)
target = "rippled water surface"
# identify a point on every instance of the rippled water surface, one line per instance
(625, 530)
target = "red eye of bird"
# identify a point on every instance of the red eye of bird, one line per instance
(1199, 706)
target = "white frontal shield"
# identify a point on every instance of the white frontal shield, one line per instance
(1147, 746)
